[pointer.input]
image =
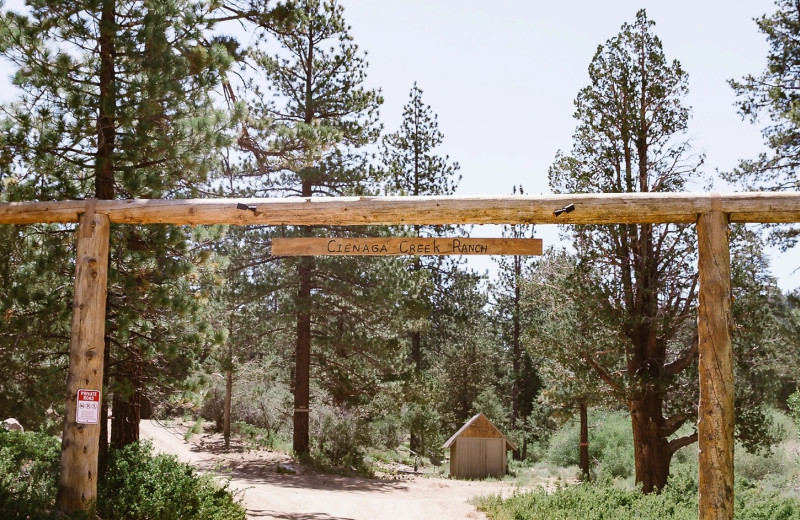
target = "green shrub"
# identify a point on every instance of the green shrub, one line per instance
(29, 466)
(754, 504)
(678, 501)
(756, 466)
(388, 428)
(255, 437)
(342, 436)
(588, 502)
(783, 425)
(610, 444)
(139, 485)
(259, 398)
(563, 448)
(196, 429)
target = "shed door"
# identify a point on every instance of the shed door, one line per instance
(495, 451)
(471, 456)
(476, 456)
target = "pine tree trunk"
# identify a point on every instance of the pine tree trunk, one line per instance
(652, 453)
(516, 351)
(416, 358)
(302, 374)
(584, 442)
(125, 420)
(126, 409)
(226, 421)
(416, 336)
(106, 123)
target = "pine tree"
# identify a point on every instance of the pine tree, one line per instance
(114, 103)
(512, 322)
(35, 324)
(630, 138)
(413, 167)
(638, 283)
(242, 294)
(308, 141)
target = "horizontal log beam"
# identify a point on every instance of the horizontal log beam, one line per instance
(637, 208)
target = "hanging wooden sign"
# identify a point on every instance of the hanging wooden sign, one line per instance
(396, 246)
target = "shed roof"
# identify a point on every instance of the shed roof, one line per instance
(479, 426)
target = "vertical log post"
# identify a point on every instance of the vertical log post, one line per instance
(716, 413)
(77, 484)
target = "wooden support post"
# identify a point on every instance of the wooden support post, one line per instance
(77, 484)
(716, 413)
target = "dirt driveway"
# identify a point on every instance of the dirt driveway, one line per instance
(309, 495)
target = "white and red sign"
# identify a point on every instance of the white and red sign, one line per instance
(88, 410)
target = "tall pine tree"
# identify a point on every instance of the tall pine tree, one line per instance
(114, 102)
(511, 322)
(414, 168)
(309, 140)
(630, 139)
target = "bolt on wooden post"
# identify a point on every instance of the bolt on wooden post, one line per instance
(77, 485)
(716, 412)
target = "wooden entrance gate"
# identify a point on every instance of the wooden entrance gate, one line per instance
(712, 214)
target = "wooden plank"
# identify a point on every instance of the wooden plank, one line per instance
(77, 485)
(405, 246)
(716, 411)
(635, 208)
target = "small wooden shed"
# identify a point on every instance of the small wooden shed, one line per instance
(478, 449)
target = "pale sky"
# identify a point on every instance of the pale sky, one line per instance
(502, 77)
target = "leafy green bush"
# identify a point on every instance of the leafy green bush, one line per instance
(342, 437)
(29, 466)
(139, 485)
(751, 503)
(388, 428)
(255, 437)
(610, 444)
(678, 501)
(563, 448)
(588, 502)
(756, 466)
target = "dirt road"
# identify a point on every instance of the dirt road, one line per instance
(309, 495)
